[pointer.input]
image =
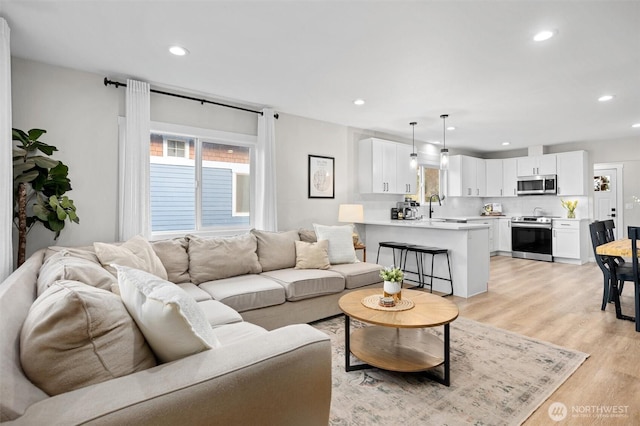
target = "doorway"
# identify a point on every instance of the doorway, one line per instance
(608, 195)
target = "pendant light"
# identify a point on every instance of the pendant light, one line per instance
(444, 152)
(413, 155)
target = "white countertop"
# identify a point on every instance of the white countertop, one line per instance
(426, 223)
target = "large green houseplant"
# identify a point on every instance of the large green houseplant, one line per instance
(39, 186)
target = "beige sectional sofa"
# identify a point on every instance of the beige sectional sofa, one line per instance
(266, 365)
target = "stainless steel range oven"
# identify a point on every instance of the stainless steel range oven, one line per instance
(531, 238)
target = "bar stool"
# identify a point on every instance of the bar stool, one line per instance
(433, 251)
(393, 245)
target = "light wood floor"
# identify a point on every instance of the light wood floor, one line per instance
(560, 303)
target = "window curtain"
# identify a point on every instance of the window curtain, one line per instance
(134, 211)
(6, 163)
(264, 210)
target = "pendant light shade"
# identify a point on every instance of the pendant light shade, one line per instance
(413, 156)
(444, 152)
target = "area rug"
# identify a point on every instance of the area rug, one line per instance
(497, 378)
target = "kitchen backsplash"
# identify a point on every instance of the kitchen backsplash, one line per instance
(464, 207)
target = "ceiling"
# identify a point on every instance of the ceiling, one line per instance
(409, 60)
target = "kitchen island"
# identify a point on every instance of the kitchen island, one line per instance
(468, 245)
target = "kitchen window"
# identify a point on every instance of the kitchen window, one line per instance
(427, 183)
(198, 183)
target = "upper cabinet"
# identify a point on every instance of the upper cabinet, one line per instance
(573, 173)
(467, 176)
(406, 177)
(384, 167)
(501, 177)
(537, 165)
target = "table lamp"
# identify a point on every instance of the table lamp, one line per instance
(351, 213)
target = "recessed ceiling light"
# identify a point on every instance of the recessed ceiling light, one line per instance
(544, 35)
(636, 125)
(451, 128)
(506, 143)
(358, 102)
(178, 50)
(605, 98)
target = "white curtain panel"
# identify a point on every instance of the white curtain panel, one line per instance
(6, 144)
(264, 210)
(134, 211)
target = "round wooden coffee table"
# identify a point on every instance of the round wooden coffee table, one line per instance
(398, 340)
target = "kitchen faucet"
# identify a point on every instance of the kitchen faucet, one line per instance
(431, 199)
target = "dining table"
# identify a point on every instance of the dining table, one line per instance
(609, 251)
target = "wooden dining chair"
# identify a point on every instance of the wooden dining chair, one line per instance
(634, 234)
(606, 263)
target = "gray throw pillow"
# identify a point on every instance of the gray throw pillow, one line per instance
(276, 250)
(222, 257)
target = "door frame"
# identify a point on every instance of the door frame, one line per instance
(619, 192)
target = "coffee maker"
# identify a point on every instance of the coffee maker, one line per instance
(408, 208)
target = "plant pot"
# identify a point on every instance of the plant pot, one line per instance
(393, 289)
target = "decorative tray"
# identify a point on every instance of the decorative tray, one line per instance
(373, 302)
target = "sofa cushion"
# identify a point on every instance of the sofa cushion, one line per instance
(134, 253)
(63, 265)
(238, 332)
(340, 242)
(86, 252)
(276, 250)
(171, 321)
(307, 235)
(306, 283)
(359, 274)
(246, 292)
(174, 256)
(312, 255)
(217, 313)
(194, 291)
(218, 258)
(76, 335)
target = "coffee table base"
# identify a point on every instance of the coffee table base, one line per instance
(398, 349)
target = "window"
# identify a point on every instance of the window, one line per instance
(428, 183)
(176, 148)
(199, 182)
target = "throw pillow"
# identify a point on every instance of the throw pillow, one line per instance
(307, 235)
(171, 320)
(76, 335)
(175, 258)
(216, 258)
(135, 253)
(312, 255)
(276, 250)
(340, 242)
(64, 265)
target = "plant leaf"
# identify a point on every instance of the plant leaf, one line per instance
(26, 177)
(44, 162)
(47, 149)
(62, 214)
(19, 135)
(34, 134)
(19, 152)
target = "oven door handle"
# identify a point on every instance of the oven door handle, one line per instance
(531, 225)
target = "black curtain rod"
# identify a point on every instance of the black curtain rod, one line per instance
(108, 82)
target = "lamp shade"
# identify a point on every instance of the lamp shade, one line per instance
(351, 213)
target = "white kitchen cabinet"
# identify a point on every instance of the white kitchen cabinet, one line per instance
(494, 178)
(569, 241)
(467, 176)
(537, 165)
(383, 167)
(406, 177)
(492, 232)
(509, 179)
(504, 234)
(573, 173)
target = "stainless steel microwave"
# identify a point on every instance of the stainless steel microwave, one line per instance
(537, 185)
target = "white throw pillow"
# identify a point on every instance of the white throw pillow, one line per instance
(136, 253)
(172, 322)
(340, 242)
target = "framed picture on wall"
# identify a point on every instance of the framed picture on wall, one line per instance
(321, 177)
